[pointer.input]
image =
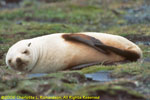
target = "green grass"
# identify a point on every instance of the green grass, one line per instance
(34, 19)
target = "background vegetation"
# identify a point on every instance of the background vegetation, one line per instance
(21, 19)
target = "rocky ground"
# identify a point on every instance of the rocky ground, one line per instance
(21, 19)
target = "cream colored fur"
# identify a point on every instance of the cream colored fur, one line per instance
(51, 53)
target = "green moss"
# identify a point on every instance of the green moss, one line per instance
(96, 68)
(131, 69)
(107, 90)
(145, 50)
(34, 29)
(11, 14)
(69, 13)
(90, 15)
(36, 19)
(130, 29)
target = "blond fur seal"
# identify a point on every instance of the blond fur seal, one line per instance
(63, 51)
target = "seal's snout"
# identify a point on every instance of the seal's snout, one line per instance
(19, 64)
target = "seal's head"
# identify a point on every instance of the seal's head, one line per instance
(20, 56)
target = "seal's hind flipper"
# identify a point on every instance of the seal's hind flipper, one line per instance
(98, 45)
(128, 55)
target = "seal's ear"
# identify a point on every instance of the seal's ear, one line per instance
(29, 44)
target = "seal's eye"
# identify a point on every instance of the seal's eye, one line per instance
(25, 52)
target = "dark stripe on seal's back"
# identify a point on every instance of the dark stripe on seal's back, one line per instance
(98, 45)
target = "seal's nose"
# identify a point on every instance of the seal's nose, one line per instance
(18, 60)
(20, 64)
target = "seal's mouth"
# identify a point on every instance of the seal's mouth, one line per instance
(21, 65)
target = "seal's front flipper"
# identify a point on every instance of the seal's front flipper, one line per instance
(87, 40)
(78, 67)
(85, 65)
